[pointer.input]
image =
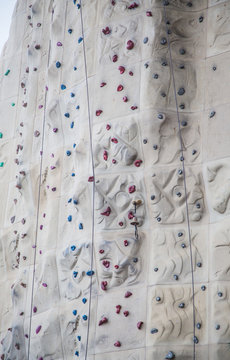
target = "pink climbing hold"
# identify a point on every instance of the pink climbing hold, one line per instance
(59, 43)
(114, 58)
(52, 167)
(128, 294)
(118, 309)
(98, 112)
(101, 251)
(105, 155)
(106, 263)
(126, 243)
(44, 284)
(91, 179)
(125, 99)
(107, 212)
(130, 215)
(149, 13)
(126, 313)
(137, 163)
(120, 87)
(114, 140)
(129, 45)
(38, 329)
(108, 127)
(106, 31)
(121, 69)
(132, 189)
(103, 321)
(103, 84)
(117, 344)
(104, 285)
(139, 324)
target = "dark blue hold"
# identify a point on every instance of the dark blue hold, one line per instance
(63, 87)
(175, 277)
(58, 64)
(158, 298)
(220, 294)
(135, 260)
(183, 246)
(180, 234)
(70, 31)
(77, 107)
(184, 123)
(90, 273)
(182, 158)
(79, 338)
(84, 300)
(75, 202)
(68, 153)
(153, 197)
(158, 219)
(194, 152)
(80, 226)
(80, 40)
(74, 145)
(155, 147)
(170, 355)
(198, 325)
(73, 247)
(155, 76)
(74, 2)
(70, 218)
(77, 353)
(163, 41)
(75, 273)
(72, 94)
(67, 115)
(181, 91)
(218, 327)
(74, 312)
(195, 340)
(75, 68)
(72, 125)
(154, 331)
(78, 6)
(73, 174)
(181, 305)
(203, 287)
(69, 201)
(84, 317)
(146, 39)
(212, 114)
(180, 172)
(199, 264)
(155, 269)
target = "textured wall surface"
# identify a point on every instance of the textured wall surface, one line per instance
(95, 258)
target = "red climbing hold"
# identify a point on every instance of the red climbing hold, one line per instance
(130, 45)
(106, 31)
(98, 112)
(116, 266)
(114, 140)
(133, 6)
(130, 215)
(134, 107)
(149, 13)
(117, 344)
(139, 324)
(132, 189)
(113, 2)
(101, 251)
(91, 179)
(114, 161)
(130, 73)
(118, 309)
(108, 127)
(121, 69)
(114, 58)
(102, 84)
(128, 294)
(38, 329)
(121, 223)
(126, 243)
(125, 99)
(137, 163)
(106, 263)
(103, 321)
(120, 87)
(107, 212)
(104, 285)
(105, 155)
(126, 313)
(34, 309)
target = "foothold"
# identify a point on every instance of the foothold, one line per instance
(38, 329)
(181, 91)
(91, 179)
(70, 31)
(139, 325)
(126, 243)
(75, 273)
(156, 269)
(182, 51)
(199, 264)
(133, 107)
(55, 130)
(117, 344)
(214, 67)
(154, 331)
(180, 172)
(130, 73)
(145, 40)
(170, 355)
(128, 294)
(84, 317)
(159, 219)
(137, 163)
(63, 87)
(184, 123)
(7, 72)
(145, 141)
(44, 285)
(73, 247)
(121, 69)
(37, 47)
(104, 320)
(107, 212)
(129, 45)
(183, 246)
(34, 309)
(175, 277)
(98, 112)
(1, 164)
(67, 115)
(155, 147)
(114, 58)
(80, 226)
(155, 76)
(68, 152)
(134, 5)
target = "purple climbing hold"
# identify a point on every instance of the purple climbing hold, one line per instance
(44, 284)
(38, 329)
(59, 43)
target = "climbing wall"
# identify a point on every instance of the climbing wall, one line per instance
(114, 175)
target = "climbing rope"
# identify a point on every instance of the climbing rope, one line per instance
(195, 340)
(38, 207)
(93, 182)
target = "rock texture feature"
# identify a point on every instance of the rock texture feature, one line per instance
(114, 175)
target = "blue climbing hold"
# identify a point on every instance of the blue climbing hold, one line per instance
(72, 94)
(77, 353)
(79, 338)
(70, 218)
(58, 64)
(63, 87)
(84, 317)
(69, 201)
(84, 300)
(90, 273)
(74, 145)
(68, 153)
(78, 6)
(70, 31)
(75, 202)
(74, 312)
(75, 273)
(72, 125)
(74, 2)
(67, 115)
(78, 107)
(80, 40)
(75, 68)
(80, 226)
(73, 247)
(73, 174)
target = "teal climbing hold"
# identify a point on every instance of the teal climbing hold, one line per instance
(1, 164)
(1, 135)
(7, 72)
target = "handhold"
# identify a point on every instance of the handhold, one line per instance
(137, 163)
(105, 155)
(106, 212)
(58, 64)
(181, 91)
(104, 285)
(139, 324)
(68, 152)
(7, 72)
(120, 88)
(104, 320)
(129, 45)
(128, 294)
(121, 69)
(70, 31)
(114, 58)
(149, 13)
(84, 317)
(132, 189)
(67, 115)
(73, 247)
(90, 273)
(1, 164)
(126, 313)
(98, 112)
(145, 40)
(38, 329)
(91, 179)
(63, 87)
(84, 300)
(120, 223)
(154, 331)
(80, 226)
(134, 5)
(34, 309)
(130, 73)
(134, 107)
(44, 284)
(69, 218)
(74, 312)
(102, 84)
(118, 309)
(37, 47)
(55, 130)
(101, 251)
(114, 140)
(130, 215)
(170, 355)
(106, 30)
(114, 161)
(117, 344)
(125, 99)
(80, 40)
(126, 243)
(59, 43)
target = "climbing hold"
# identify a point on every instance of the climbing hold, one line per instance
(98, 112)
(117, 344)
(67, 115)
(212, 114)
(198, 325)
(78, 6)
(118, 309)
(181, 305)
(80, 40)
(134, 5)
(158, 298)
(90, 273)
(114, 58)
(154, 331)
(106, 212)
(70, 31)
(104, 320)
(182, 51)
(7, 72)
(149, 13)
(106, 31)
(220, 294)
(121, 69)
(145, 40)
(38, 329)
(218, 327)
(125, 99)
(102, 84)
(75, 273)
(181, 91)
(72, 125)
(75, 202)
(175, 277)
(12, 104)
(1, 164)
(73, 247)
(80, 226)
(44, 284)
(37, 47)
(84, 300)
(155, 147)
(74, 312)
(101, 251)
(132, 189)
(129, 45)
(104, 285)
(195, 340)
(126, 313)
(114, 140)
(128, 294)
(120, 88)
(59, 43)
(58, 64)
(137, 163)
(139, 325)
(68, 152)
(130, 73)
(126, 243)
(34, 309)
(163, 41)
(77, 353)
(63, 87)
(170, 355)
(55, 130)
(84, 317)
(203, 287)
(69, 218)
(201, 18)
(91, 179)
